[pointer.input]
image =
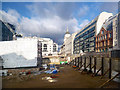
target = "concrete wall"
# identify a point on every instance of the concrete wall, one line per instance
(19, 53)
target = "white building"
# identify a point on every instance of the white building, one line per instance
(49, 48)
(62, 50)
(112, 23)
(67, 47)
(116, 32)
(23, 52)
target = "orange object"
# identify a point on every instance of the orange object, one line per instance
(74, 66)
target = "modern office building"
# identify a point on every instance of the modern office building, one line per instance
(85, 39)
(7, 31)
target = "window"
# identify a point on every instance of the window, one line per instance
(87, 27)
(106, 36)
(106, 42)
(106, 49)
(103, 50)
(110, 35)
(45, 47)
(109, 27)
(116, 36)
(102, 32)
(101, 38)
(54, 48)
(102, 43)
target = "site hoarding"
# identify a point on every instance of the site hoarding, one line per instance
(19, 53)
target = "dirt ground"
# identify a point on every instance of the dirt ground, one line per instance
(68, 77)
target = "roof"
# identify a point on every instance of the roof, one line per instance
(67, 32)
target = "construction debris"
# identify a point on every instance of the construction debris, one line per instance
(49, 79)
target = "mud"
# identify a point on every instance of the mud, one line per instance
(68, 77)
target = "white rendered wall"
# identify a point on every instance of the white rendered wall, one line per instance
(115, 33)
(19, 53)
(101, 19)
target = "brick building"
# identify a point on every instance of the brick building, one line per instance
(104, 40)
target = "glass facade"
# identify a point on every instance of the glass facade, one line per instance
(110, 26)
(85, 39)
(5, 33)
(86, 28)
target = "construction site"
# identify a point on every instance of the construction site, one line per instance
(67, 77)
(85, 71)
(59, 51)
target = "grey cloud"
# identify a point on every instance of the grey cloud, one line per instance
(49, 20)
(65, 10)
(54, 28)
(48, 10)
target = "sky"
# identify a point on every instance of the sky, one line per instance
(51, 19)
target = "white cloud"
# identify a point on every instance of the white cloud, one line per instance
(47, 20)
(10, 16)
(48, 26)
(84, 22)
(83, 11)
(54, 27)
(13, 13)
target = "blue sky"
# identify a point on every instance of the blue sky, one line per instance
(50, 19)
